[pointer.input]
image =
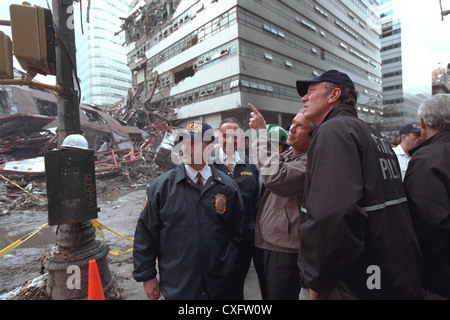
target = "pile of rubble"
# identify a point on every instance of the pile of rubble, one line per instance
(13, 199)
(131, 177)
(132, 140)
(128, 132)
(35, 289)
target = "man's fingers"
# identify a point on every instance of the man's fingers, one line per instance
(256, 119)
(254, 109)
(153, 295)
(151, 289)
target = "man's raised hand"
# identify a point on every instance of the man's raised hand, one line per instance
(257, 121)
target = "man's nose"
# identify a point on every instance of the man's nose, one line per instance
(230, 140)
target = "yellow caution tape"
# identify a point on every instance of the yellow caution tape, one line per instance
(21, 240)
(13, 183)
(96, 224)
(31, 234)
(119, 253)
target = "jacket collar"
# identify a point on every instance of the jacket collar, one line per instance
(180, 174)
(339, 110)
(443, 136)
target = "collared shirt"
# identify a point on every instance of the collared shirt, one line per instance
(192, 174)
(403, 159)
(225, 159)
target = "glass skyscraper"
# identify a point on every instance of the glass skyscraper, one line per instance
(101, 57)
(406, 64)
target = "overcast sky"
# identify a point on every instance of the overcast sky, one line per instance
(431, 30)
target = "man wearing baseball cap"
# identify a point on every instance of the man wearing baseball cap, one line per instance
(356, 236)
(411, 137)
(192, 223)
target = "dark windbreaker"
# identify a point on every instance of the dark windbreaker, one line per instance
(195, 236)
(355, 213)
(246, 176)
(427, 185)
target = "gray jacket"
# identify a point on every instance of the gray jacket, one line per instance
(279, 207)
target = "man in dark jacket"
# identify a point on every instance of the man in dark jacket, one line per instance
(192, 223)
(356, 236)
(427, 185)
(230, 158)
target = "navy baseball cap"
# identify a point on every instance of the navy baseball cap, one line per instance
(332, 76)
(200, 131)
(411, 128)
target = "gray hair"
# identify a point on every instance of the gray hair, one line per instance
(348, 96)
(435, 112)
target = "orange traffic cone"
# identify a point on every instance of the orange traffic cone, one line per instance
(95, 288)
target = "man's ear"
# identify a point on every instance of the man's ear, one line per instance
(424, 129)
(335, 95)
(422, 123)
(403, 137)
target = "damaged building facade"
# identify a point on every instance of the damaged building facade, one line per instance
(28, 116)
(208, 59)
(29, 128)
(25, 115)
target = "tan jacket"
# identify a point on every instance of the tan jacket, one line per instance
(279, 207)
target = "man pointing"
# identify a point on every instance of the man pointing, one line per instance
(276, 229)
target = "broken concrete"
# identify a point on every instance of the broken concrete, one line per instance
(121, 134)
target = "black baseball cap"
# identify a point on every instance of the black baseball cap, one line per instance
(411, 128)
(332, 76)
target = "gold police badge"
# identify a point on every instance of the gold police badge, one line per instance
(221, 204)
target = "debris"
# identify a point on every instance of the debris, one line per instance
(111, 130)
(165, 156)
(24, 135)
(132, 139)
(35, 289)
(33, 166)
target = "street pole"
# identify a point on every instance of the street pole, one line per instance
(68, 103)
(76, 244)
